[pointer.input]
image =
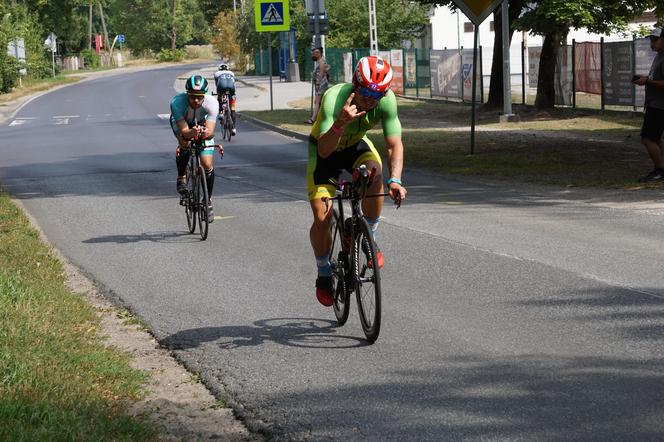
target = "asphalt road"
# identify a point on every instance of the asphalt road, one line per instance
(509, 313)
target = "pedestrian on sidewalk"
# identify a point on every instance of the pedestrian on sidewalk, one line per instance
(653, 118)
(321, 79)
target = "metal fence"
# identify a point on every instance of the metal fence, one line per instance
(588, 74)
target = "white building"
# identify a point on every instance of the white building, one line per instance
(453, 30)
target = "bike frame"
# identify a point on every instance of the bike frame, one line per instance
(192, 201)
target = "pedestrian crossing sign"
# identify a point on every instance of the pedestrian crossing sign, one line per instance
(272, 15)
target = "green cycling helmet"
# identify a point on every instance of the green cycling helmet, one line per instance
(196, 85)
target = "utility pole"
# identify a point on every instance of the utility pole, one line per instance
(317, 39)
(103, 25)
(507, 78)
(373, 33)
(173, 30)
(90, 27)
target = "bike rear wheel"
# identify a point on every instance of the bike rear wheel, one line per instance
(228, 129)
(367, 281)
(339, 262)
(202, 204)
(189, 205)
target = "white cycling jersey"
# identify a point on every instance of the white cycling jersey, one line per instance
(225, 75)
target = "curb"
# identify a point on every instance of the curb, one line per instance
(289, 133)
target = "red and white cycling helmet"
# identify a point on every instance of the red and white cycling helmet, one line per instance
(373, 73)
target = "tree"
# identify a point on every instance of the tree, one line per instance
(397, 21)
(226, 39)
(158, 24)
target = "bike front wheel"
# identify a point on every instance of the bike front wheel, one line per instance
(202, 204)
(189, 203)
(339, 262)
(367, 281)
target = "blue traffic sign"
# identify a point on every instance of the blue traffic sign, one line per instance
(271, 15)
(120, 38)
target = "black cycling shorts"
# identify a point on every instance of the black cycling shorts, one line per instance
(320, 170)
(653, 124)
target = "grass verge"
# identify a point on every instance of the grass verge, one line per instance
(57, 379)
(30, 87)
(561, 147)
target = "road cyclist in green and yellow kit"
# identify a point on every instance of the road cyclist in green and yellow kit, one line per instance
(338, 142)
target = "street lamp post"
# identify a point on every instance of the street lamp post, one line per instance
(373, 33)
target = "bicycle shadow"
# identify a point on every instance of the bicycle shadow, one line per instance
(293, 332)
(156, 237)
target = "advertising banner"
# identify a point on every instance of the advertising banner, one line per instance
(411, 69)
(445, 66)
(348, 67)
(618, 88)
(397, 71)
(534, 55)
(563, 78)
(644, 57)
(587, 65)
(467, 75)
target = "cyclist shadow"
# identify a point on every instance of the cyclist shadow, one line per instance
(294, 332)
(158, 237)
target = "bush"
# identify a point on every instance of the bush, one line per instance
(171, 55)
(91, 60)
(9, 67)
(200, 51)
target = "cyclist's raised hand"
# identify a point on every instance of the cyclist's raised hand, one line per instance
(397, 193)
(349, 112)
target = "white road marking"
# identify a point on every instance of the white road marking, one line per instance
(22, 120)
(60, 121)
(164, 116)
(66, 116)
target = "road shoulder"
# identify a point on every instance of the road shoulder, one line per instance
(176, 400)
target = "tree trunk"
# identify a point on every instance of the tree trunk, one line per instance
(495, 100)
(174, 32)
(546, 92)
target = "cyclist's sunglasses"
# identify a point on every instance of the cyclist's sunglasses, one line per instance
(368, 93)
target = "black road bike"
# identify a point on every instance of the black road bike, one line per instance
(225, 117)
(353, 255)
(195, 201)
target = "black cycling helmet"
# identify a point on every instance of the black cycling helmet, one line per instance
(196, 85)
(223, 67)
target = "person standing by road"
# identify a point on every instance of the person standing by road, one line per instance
(653, 118)
(321, 79)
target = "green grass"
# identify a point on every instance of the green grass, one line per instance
(57, 379)
(561, 147)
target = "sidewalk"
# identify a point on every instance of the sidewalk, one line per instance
(253, 92)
